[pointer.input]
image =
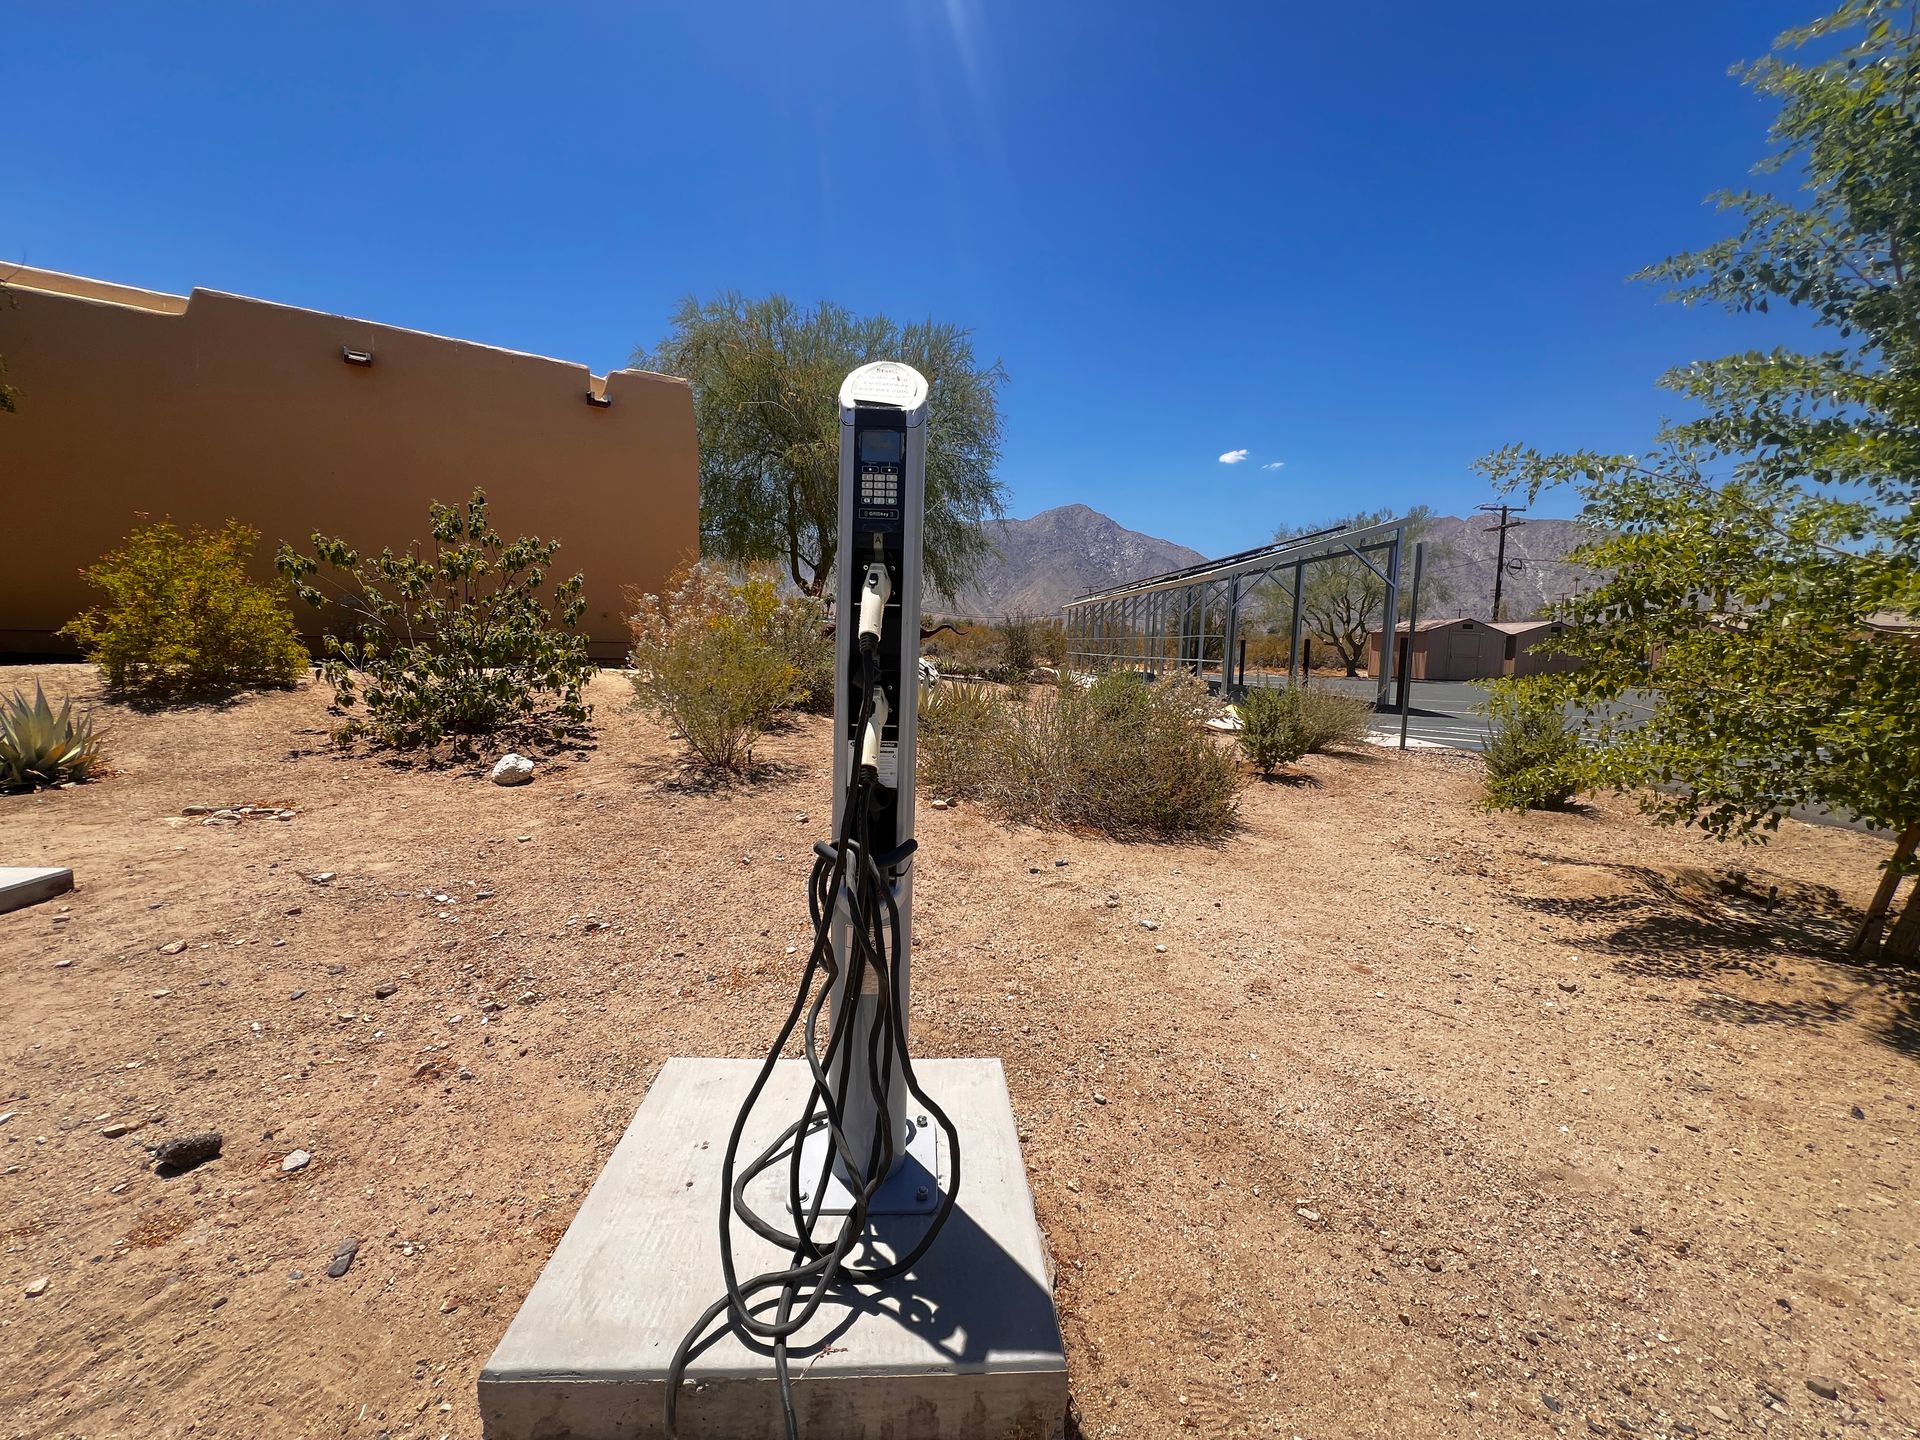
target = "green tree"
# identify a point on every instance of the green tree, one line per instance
(1342, 598)
(1764, 558)
(766, 384)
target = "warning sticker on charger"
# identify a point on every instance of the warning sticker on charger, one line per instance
(887, 764)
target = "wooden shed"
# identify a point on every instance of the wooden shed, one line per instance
(1458, 649)
(1522, 658)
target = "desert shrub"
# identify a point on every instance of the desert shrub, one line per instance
(1534, 757)
(965, 649)
(705, 659)
(1273, 729)
(1019, 647)
(797, 628)
(40, 747)
(962, 739)
(183, 617)
(1330, 718)
(458, 641)
(1131, 759)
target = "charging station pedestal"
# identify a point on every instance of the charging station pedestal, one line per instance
(965, 1345)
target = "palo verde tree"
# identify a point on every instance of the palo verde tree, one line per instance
(766, 384)
(1764, 558)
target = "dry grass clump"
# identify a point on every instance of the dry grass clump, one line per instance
(1121, 756)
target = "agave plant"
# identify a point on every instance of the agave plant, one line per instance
(38, 747)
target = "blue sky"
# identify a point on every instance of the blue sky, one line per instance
(1367, 243)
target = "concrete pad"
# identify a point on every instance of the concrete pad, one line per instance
(21, 886)
(966, 1345)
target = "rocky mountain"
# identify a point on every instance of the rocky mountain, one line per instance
(1045, 561)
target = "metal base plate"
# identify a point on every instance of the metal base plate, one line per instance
(912, 1189)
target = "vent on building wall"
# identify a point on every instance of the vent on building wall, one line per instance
(602, 401)
(356, 357)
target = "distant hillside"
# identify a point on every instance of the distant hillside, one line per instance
(1061, 553)
(1058, 554)
(1461, 555)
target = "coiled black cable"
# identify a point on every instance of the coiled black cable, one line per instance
(848, 873)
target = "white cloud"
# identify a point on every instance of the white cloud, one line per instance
(1274, 465)
(1233, 457)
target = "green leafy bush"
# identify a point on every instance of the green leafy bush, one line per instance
(457, 641)
(183, 617)
(39, 747)
(1273, 729)
(1534, 757)
(962, 739)
(719, 660)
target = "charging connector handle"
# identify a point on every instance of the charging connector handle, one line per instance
(876, 727)
(875, 591)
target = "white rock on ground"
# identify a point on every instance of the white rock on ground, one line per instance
(512, 770)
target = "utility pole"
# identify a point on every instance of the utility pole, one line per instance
(1507, 522)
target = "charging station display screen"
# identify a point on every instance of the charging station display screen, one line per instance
(882, 447)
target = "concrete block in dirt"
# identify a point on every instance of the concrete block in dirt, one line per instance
(24, 885)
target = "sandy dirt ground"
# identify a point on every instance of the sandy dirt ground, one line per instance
(1425, 1122)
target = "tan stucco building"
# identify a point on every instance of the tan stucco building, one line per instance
(213, 406)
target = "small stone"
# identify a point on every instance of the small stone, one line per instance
(1061, 864)
(298, 1160)
(1572, 987)
(1552, 1402)
(483, 894)
(1099, 1098)
(173, 948)
(1159, 949)
(325, 877)
(1718, 1414)
(296, 1274)
(343, 1258)
(465, 1073)
(297, 995)
(449, 1305)
(1857, 1113)
(37, 1286)
(512, 769)
(427, 1070)
(200, 810)
(381, 992)
(161, 994)
(63, 964)
(1312, 1217)
(940, 804)
(221, 820)
(119, 1128)
(523, 838)
(4, 1118)
(1149, 924)
(1432, 1261)
(184, 1152)
(1823, 1387)
(527, 997)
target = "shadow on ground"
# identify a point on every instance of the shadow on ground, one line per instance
(1693, 925)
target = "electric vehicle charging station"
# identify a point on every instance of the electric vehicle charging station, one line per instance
(851, 1245)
